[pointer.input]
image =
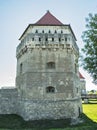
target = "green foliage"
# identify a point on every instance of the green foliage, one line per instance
(89, 37)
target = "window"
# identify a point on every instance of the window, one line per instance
(21, 68)
(50, 89)
(33, 39)
(52, 39)
(36, 31)
(51, 65)
(49, 31)
(39, 39)
(46, 39)
(59, 39)
(61, 31)
(55, 31)
(66, 39)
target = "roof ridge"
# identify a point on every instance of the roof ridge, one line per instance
(48, 19)
(81, 76)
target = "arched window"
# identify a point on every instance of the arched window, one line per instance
(50, 65)
(50, 89)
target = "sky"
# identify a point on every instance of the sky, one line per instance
(16, 15)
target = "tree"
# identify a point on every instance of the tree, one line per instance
(89, 36)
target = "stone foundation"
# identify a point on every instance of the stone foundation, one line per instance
(38, 109)
(11, 103)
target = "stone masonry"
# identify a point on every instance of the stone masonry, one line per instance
(47, 79)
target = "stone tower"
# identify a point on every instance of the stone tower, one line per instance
(47, 71)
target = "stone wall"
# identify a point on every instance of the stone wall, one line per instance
(47, 109)
(32, 109)
(35, 76)
(8, 100)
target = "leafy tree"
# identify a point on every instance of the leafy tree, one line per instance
(89, 36)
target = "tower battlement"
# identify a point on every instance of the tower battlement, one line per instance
(53, 38)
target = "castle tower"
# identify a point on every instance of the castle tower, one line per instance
(47, 71)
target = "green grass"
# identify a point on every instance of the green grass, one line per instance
(14, 122)
(91, 110)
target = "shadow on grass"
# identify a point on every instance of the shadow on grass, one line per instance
(91, 101)
(15, 122)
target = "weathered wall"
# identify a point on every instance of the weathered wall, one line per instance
(32, 109)
(47, 109)
(8, 100)
(33, 53)
(35, 85)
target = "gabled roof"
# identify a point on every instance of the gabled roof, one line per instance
(81, 76)
(48, 19)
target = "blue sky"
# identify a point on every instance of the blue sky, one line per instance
(15, 15)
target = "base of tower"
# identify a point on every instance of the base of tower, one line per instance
(37, 109)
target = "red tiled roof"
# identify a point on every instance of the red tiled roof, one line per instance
(80, 75)
(48, 19)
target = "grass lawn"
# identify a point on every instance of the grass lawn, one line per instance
(91, 110)
(14, 122)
